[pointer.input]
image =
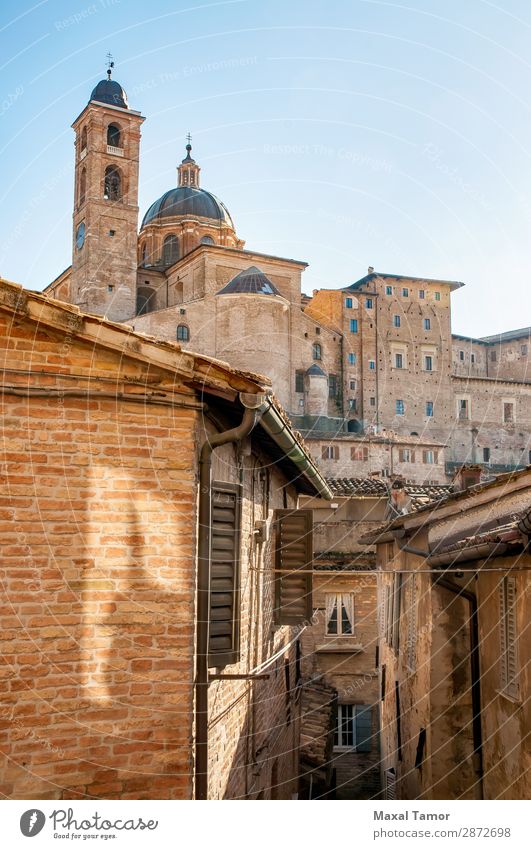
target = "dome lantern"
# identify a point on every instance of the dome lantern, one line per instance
(188, 170)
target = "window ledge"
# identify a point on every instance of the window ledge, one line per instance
(343, 647)
(514, 700)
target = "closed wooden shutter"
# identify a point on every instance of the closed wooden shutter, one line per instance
(224, 625)
(411, 648)
(293, 564)
(390, 784)
(508, 638)
(363, 728)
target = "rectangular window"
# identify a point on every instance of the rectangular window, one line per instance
(437, 296)
(396, 320)
(493, 356)
(422, 294)
(406, 455)
(399, 361)
(353, 728)
(348, 303)
(359, 453)
(352, 384)
(330, 452)
(399, 407)
(429, 457)
(508, 638)
(463, 409)
(332, 386)
(405, 293)
(388, 290)
(224, 632)
(523, 350)
(486, 455)
(427, 324)
(372, 401)
(461, 355)
(429, 409)
(352, 359)
(299, 381)
(353, 325)
(293, 564)
(339, 614)
(110, 287)
(352, 404)
(472, 358)
(372, 365)
(508, 412)
(428, 363)
(368, 303)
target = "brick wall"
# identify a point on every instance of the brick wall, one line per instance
(97, 517)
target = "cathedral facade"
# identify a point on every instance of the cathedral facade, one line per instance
(376, 359)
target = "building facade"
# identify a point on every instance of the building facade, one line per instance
(454, 654)
(377, 354)
(149, 648)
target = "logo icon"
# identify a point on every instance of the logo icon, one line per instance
(31, 822)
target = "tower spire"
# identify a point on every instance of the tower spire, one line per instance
(188, 169)
(110, 65)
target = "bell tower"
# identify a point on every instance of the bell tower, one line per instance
(105, 220)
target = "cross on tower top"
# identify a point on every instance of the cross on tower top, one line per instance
(189, 138)
(110, 64)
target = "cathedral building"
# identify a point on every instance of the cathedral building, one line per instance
(374, 358)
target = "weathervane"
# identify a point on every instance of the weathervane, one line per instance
(110, 64)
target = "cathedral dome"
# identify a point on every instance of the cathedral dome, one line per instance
(187, 201)
(111, 92)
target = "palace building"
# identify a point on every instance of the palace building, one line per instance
(375, 358)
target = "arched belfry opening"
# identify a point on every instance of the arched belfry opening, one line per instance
(112, 184)
(114, 136)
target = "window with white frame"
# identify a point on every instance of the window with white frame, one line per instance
(399, 361)
(406, 455)
(330, 452)
(427, 324)
(508, 638)
(428, 363)
(339, 614)
(353, 728)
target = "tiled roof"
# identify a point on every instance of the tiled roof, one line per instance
(522, 333)
(420, 494)
(454, 284)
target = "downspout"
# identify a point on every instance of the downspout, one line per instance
(249, 420)
(474, 650)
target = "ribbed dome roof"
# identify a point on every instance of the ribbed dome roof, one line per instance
(109, 91)
(185, 200)
(251, 281)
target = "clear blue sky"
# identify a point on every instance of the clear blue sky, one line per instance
(346, 133)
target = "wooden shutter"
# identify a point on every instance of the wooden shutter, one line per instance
(363, 728)
(390, 784)
(293, 564)
(224, 625)
(508, 637)
(411, 648)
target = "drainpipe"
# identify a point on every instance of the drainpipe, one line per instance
(250, 419)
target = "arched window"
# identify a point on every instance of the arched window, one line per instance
(354, 426)
(207, 240)
(183, 333)
(112, 186)
(170, 250)
(316, 351)
(83, 139)
(82, 186)
(145, 300)
(143, 254)
(113, 135)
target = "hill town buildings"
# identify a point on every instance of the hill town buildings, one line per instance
(378, 355)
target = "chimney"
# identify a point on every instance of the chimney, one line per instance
(469, 474)
(370, 269)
